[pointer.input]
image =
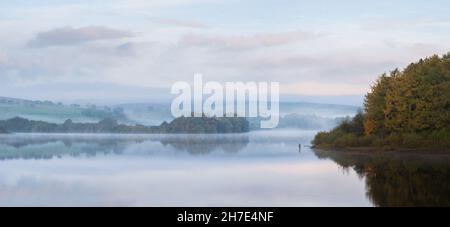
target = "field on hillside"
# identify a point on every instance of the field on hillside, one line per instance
(54, 112)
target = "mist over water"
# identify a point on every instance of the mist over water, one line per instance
(254, 169)
(293, 115)
(261, 168)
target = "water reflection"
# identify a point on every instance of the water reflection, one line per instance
(41, 146)
(399, 179)
(255, 169)
(204, 144)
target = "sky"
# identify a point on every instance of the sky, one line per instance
(117, 50)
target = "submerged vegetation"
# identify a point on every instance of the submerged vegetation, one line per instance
(178, 125)
(406, 109)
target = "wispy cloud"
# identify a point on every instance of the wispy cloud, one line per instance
(378, 24)
(314, 88)
(67, 36)
(179, 23)
(247, 41)
(3, 59)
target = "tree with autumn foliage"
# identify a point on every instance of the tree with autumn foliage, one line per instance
(409, 108)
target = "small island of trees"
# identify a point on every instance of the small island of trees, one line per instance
(179, 125)
(406, 109)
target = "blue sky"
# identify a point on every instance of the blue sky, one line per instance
(310, 47)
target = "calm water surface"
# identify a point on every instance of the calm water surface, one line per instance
(256, 169)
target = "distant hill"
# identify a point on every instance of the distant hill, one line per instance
(308, 121)
(300, 115)
(147, 113)
(317, 109)
(55, 112)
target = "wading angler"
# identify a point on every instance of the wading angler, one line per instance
(214, 99)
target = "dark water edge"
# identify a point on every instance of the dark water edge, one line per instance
(399, 178)
(387, 150)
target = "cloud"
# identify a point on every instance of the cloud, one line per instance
(68, 36)
(3, 59)
(314, 88)
(179, 23)
(383, 24)
(307, 55)
(246, 41)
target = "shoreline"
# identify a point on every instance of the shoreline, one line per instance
(367, 150)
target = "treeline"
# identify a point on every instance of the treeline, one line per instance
(23, 125)
(206, 125)
(409, 108)
(178, 125)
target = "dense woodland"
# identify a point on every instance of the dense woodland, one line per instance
(409, 108)
(178, 125)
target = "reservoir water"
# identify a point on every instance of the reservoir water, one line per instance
(261, 168)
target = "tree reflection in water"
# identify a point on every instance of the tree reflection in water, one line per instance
(399, 179)
(203, 144)
(50, 146)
